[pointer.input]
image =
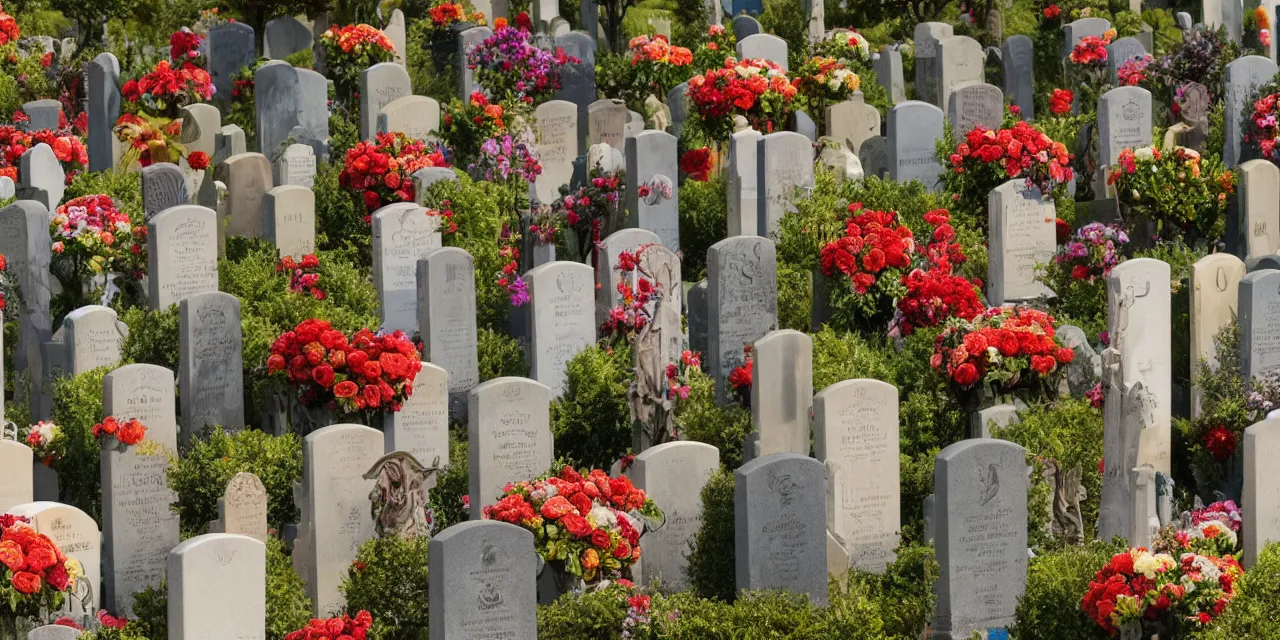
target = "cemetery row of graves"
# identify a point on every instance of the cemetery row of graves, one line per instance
(670, 319)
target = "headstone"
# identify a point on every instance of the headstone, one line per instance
(242, 509)
(16, 486)
(780, 532)
(509, 436)
(557, 129)
(42, 114)
(855, 434)
(415, 116)
(24, 241)
(744, 26)
(763, 45)
(980, 527)
(742, 302)
(1018, 59)
(653, 167)
(447, 320)
(1122, 51)
(782, 391)
(93, 337)
(1261, 524)
(607, 275)
(290, 217)
(975, 104)
(1259, 209)
(163, 186)
(380, 85)
(7, 188)
(210, 364)
(578, 79)
(182, 254)
(1184, 20)
(229, 141)
(142, 391)
(926, 38)
(54, 632)
(743, 192)
(561, 304)
(230, 46)
(874, 156)
(403, 233)
(77, 536)
(673, 474)
(697, 318)
(1215, 289)
(1138, 324)
(1001, 415)
(296, 166)
(785, 165)
(218, 588)
(395, 31)
(888, 67)
(104, 109)
(853, 121)
(607, 123)
(679, 108)
(248, 178)
(1074, 32)
(336, 507)
(421, 426)
(1023, 235)
(466, 41)
(960, 61)
(424, 178)
(1124, 122)
(285, 36)
(1259, 301)
(914, 127)
(40, 177)
(484, 573)
(1243, 76)
(634, 125)
(292, 105)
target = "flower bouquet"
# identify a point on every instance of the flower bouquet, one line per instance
(585, 524)
(510, 68)
(508, 160)
(756, 89)
(150, 121)
(350, 50)
(741, 377)
(1261, 132)
(35, 576)
(364, 372)
(987, 159)
(1004, 350)
(167, 88)
(124, 433)
(1144, 594)
(714, 46)
(1178, 193)
(656, 68)
(591, 212)
(934, 292)
(347, 627)
(97, 251)
(1210, 537)
(67, 147)
(822, 82)
(47, 441)
(381, 172)
(304, 275)
(873, 254)
(851, 49)
(1086, 69)
(1078, 270)
(467, 125)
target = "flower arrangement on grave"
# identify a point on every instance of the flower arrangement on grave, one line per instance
(467, 125)
(35, 575)
(150, 119)
(591, 212)
(740, 377)
(1181, 193)
(440, 29)
(511, 69)
(508, 277)
(124, 433)
(1134, 72)
(366, 371)
(346, 626)
(380, 172)
(821, 82)
(851, 49)
(209, 18)
(1209, 537)
(304, 275)
(986, 159)
(168, 87)
(545, 226)
(1257, 30)
(1141, 593)
(511, 161)
(1086, 70)
(9, 31)
(657, 67)
(243, 111)
(934, 291)
(1223, 511)
(584, 523)
(1261, 131)
(713, 47)
(1078, 270)
(47, 441)
(869, 260)
(1060, 102)
(1003, 350)
(696, 164)
(756, 89)
(348, 51)
(184, 47)
(8, 285)
(67, 147)
(1201, 57)
(98, 252)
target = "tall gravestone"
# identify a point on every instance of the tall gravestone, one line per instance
(104, 109)
(742, 302)
(380, 85)
(509, 436)
(1138, 322)
(1124, 122)
(653, 185)
(421, 426)
(285, 36)
(853, 121)
(290, 218)
(888, 67)
(914, 128)
(335, 507)
(578, 79)
(926, 38)
(672, 474)
(562, 309)
(557, 130)
(484, 575)
(742, 190)
(16, 469)
(960, 61)
(1261, 524)
(24, 241)
(1022, 236)
(395, 30)
(291, 103)
(248, 179)
(40, 176)
(1258, 206)
(1074, 32)
(218, 588)
(210, 363)
(855, 434)
(1215, 288)
(763, 45)
(784, 167)
(1242, 77)
(980, 528)
(415, 116)
(780, 532)
(230, 48)
(782, 391)
(466, 41)
(1018, 60)
(163, 186)
(697, 318)
(296, 166)
(1259, 324)
(447, 319)
(403, 233)
(182, 254)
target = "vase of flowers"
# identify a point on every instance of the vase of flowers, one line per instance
(35, 576)
(1006, 350)
(756, 89)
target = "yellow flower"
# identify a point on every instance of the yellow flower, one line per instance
(75, 571)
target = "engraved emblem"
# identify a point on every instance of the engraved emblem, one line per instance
(489, 598)
(1131, 110)
(569, 282)
(785, 485)
(990, 483)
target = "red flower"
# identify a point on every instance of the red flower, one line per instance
(1079, 272)
(600, 539)
(576, 525)
(1052, 12)
(697, 163)
(25, 582)
(1220, 442)
(965, 374)
(198, 160)
(1060, 102)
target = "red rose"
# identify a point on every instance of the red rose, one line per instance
(556, 508)
(198, 160)
(372, 396)
(1042, 364)
(323, 375)
(623, 550)
(372, 200)
(1079, 272)
(26, 582)
(275, 362)
(57, 577)
(576, 525)
(581, 502)
(356, 360)
(1064, 355)
(371, 370)
(600, 538)
(11, 555)
(965, 374)
(40, 554)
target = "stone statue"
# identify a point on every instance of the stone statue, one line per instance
(659, 113)
(1066, 522)
(399, 496)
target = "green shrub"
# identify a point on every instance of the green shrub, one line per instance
(341, 216)
(452, 486)
(124, 187)
(389, 580)
(77, 407)
(201, 475)
(288, 607)
(499, 354)
(153, 337)
(711, 554)
(591, 421)
(786, 19)
(427, 76)
(704, 221)
(151, 608)
(482, 215)
(598, 614)
(1252, 613)
(700, 419)
(1056, 582)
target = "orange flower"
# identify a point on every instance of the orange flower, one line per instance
(26, 582)
(11, 555)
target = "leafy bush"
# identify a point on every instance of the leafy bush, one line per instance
(124, 187)
(427, 76)
(700, 419)
(704, 221)
(499, 354)
(201, 475)
(479, 227)
(288, 607)
(711, 554)
(389, 580)
(151, 606)
(591, 421)
(341, 216)
(447, 498)
(153, 337)
(597, 614)
(1056, 581)
(786, 19)
(1252, 613)
(77, 407)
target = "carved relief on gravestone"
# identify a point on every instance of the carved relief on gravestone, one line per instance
(399, 495)
(1066, 522)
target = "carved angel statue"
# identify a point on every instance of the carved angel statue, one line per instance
(651, 408)
(399, 502)
(1066, 522)
(659, 114)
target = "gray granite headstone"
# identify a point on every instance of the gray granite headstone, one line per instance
(403, 233)
(228, 141)
(163, 186)
(853, 121)
(679, 109)
(297, 166)
(447, 319)
(607, 123)
(780, 525)
(248, 178)
(230, 48)
(888, 68)
(285, 36)
(17, 484)
(92, 338)
(744, 26)
(54, 632)
(784, 173)
(292, 103)
(380, 85)
(673, 474)
(421, 426)
(1018, 60)
(104, 109)
(43, 114)
(467, 40)
(960, 62)
(976, 104)
(763, 45)
(415, 116)
(742, 302)
(926, 37)
(874, 155)
(1120, 52)
(1260, 323)
(561, 306)
(485, 575)
(1001, 415)
(211, 575)
(578, 80)
(1124, 122)
(182, 254)
(40, 177)
(697, 317)
(508, 435)
(210, 363)
(914, 128)
(653, 167)
(1074, 32)
(1243, 75)
(242, 508)
(782, 391)
(24, 241)
(289, 213)
(1022, 235)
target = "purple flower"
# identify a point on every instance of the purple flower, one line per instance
(519, 293)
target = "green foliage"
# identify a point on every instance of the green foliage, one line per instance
(711, 554)
(445, 500)
(499, 355)
(151, 608)
(428, 76)
(635, 22)
(1252, 613)
(795, 298)
(200, 476)
(597, 614)
(786, 19)
(688, 23)
(124, 187)
(77, 407)
(341, 218)
(700, 419)
(591, 421)
(480, 220)
(288, 607)
(1165, 30)
(90, 15)
(1056, 581)
(153, 337)
(35, 17)
(389, 580)
(704, 220)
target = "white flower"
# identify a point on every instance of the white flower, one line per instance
(602, 518)
(1144, 153)
(864, 47)
(1149, 564)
